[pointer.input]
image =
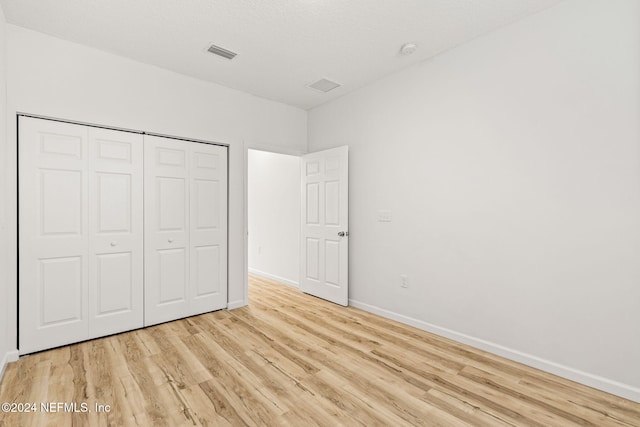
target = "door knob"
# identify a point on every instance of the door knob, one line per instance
(170, 240)
(343, 233)
(113, 243)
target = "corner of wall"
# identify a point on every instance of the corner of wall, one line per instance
(274, 277)
(5, 355)
(236, 304)
(10, 356)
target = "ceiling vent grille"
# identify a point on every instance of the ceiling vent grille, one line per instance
(217, 50)
(324, 85)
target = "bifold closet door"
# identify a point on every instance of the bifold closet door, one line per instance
(80, 233)
(185, 228)
(116, 232)
(54, 234)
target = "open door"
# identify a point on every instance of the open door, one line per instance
(325, 218)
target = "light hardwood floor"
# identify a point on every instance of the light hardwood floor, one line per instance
(289, 359)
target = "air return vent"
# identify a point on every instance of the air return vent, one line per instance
(324, 85)
(217, 50)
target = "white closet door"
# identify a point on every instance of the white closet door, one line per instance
(166, 199)
(208, 227)
(115, 232)
(185, 228)
(53, 249)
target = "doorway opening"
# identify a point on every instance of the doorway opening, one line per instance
(273, 216)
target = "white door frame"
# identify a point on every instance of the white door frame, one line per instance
(245, 232)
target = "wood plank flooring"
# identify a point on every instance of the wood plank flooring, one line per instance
(289, 359)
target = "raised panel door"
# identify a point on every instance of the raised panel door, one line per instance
(208, 227)
(53, 229)
(116, 231)
(166, 223)
(325, 221)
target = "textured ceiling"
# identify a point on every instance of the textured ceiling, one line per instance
(282, 45)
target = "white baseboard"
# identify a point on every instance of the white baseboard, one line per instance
(236, 304)
(274, 277)
(610, 386)
(10, 356)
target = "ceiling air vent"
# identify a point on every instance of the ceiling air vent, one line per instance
(324, 85)
(217, 50)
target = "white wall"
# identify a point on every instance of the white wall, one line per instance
(4, 284)
(511, 165)
(274, 215)
(52, 77)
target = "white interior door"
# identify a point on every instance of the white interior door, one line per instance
(53, 227)
(115, 231)
(185, 228)
(325, 219)
(166, 200)
(208, 227)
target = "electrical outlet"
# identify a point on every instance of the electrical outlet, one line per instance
(384, 216)
(404, 281)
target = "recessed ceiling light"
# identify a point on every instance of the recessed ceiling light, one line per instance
(408, 48)
(220, 51)
(324, 85)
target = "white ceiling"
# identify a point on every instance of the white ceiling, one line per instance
(282, 45)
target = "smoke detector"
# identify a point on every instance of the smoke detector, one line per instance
(324, 85)
(408, 48)
(217, 50)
